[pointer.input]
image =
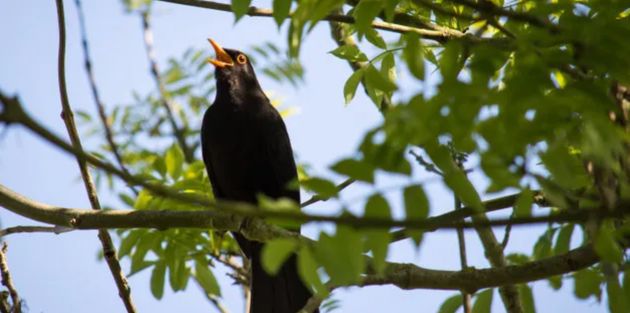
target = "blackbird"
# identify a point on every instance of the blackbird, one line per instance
(247, 152)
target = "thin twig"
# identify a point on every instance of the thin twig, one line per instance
(216, 301)
(312, 304)
(316, 198)
(34, 229)
(7, 281)
(463, 260)
(106, 241)
(506, 235)
(167, 103)
(428, 166)
(109, 134)
(489, 8)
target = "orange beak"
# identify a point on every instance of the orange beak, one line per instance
(223, 59)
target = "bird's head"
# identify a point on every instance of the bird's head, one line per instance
(233, 69)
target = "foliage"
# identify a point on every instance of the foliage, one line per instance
(531, 89)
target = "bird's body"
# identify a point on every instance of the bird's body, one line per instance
(247, 152)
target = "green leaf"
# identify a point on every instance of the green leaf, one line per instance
(128, 241)
(617, 303)
(175, 259)
(206, 279)
(416, 207)
(566, 169)
(276, 252)
(307, 268)
(350, 53)
(606, 246)
(356, 169)
(388, 67)
(341, 255)
(321, 9)
(377, 240)
(174, 161)
(157, 280)
(626, 283)
(281, 9)
(451, 304)
(143, 200)
(376, 79)
(527, 298)
(542, 248)
(454, 177)
(563, 241)
(350, 87)
(174, 74)
(364, 13)
(412, 54)
(147, 241)
(523, 205)
(240, 7)
(322, 187)
(587, 283)
(375, 38)
(483, 301)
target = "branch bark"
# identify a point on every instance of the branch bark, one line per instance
(109, 134)
(34, 229)
(167, 103)
(7, 281)
(405, 276)
(106, 241)
(439, 35)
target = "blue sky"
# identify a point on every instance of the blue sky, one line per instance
(61, 273)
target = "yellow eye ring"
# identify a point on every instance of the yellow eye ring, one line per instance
(241, 59)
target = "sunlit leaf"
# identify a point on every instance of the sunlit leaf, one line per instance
(276, 252)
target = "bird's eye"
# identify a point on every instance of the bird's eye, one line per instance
(241, 59)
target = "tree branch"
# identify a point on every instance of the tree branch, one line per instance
(222, 221)
(11, 111)
(106, 241)
(34, 229)
(439, 35)
(167, 103)
(406, 276)
(7, 281)
(109, 134)
(317, 198)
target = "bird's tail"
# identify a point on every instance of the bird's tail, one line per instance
(281, 293)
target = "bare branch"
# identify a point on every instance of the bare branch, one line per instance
(106, 241)
(34, 229)
(463, 259)
(167, 103)
(7, 281)
(208, 219)
(109, 134)
(317, 198)
(406, 276)
(312, 304)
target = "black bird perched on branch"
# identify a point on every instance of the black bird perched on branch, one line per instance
(247, 152)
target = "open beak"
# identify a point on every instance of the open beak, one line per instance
(223, 59)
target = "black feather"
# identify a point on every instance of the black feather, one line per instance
(247, 151)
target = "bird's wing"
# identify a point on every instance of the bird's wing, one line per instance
(278, 165)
